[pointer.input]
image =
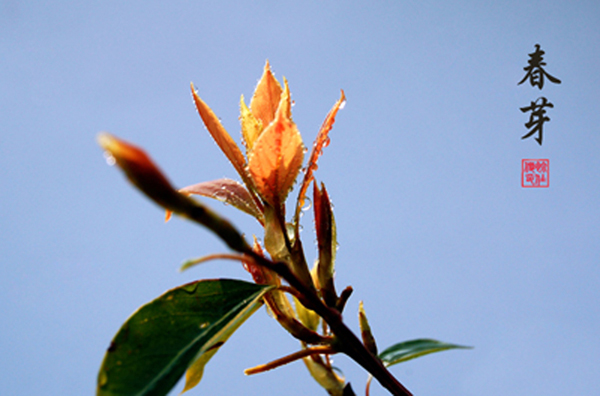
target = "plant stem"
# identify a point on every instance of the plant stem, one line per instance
(346, 342)
(318, 350)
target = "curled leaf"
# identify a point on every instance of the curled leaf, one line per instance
(228, 191)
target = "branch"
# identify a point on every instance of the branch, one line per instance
(319, 350)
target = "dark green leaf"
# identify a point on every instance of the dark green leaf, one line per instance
(154, 348)
(407, 350)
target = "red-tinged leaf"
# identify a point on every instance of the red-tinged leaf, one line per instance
(260, 275)
(277, 302)
(321, 142)
(277, 156)
(266, 98)
(228, 191)
(220, 135)
(326, 243)
(142, 172)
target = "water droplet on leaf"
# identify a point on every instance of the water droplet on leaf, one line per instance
(307, 204)
(110, 160)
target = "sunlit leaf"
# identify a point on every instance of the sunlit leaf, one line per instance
(407, 350)
(277, 156)
(251, 126)
(155, 346)
(228, 191)
(220, 135)
(321, 142)
(266, 98)
(325, 375)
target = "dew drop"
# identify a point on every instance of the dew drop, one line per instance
(307, 204)
(326, 142)
(110, 159)
(342, 105)
(204, 325)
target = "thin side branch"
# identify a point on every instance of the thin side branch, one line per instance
(318, 350)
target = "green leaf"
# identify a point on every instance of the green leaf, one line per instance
(158, 343)
(407, 350)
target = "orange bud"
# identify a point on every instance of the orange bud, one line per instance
(142, 172)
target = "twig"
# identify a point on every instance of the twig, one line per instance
(318, 350)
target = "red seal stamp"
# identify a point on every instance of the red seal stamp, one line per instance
(535, 173)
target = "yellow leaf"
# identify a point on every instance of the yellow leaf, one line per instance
(194, 373)
(277, 155)
(266, 98)
(251, 127)
(365, 330)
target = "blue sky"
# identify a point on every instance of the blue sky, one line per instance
(437, 236)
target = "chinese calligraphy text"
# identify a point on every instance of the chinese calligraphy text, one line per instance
(535, 75)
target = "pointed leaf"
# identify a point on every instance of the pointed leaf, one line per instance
(251, 126)
(326, 243)
(277, 156)
(155, 346)
(267, 95)
(407, 350)
(220, 135)
(321, 142)
(365, 330)
(228, 191)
